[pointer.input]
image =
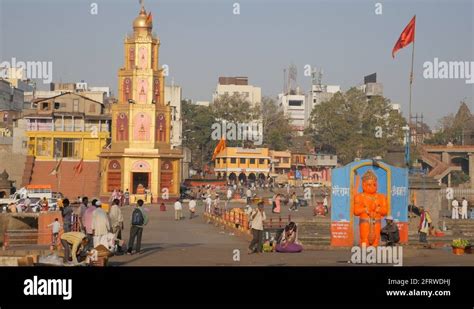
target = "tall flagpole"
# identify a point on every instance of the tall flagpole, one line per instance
(410, 102)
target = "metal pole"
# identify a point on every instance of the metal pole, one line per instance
(409, 105)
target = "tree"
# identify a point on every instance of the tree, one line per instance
(453, 128)
(197, 122)
(355, 126)
(277, 131)
(234, 108)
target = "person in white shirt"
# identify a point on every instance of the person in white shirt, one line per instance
(208, 203)
(256, 223)
(249, 195)
(192, 207)
(229, 197)
(178, 210)
(325, 204)
(116, 219)
(455, 209)
(100, 225)
(216, 204)
(56, 226)
(464, 208)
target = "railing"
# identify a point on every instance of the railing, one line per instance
(240, 220)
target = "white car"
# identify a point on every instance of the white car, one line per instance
(312, 185)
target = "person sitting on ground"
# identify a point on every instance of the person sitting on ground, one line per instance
(289, 240)
(389, 233)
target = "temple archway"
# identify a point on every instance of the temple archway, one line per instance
(252, 177)
(242, 177)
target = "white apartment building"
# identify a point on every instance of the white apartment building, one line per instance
(294, 108)
(238, 85)
(317, 95)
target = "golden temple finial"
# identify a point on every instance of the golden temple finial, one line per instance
(369, 175)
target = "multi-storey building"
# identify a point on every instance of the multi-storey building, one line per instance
(242, 164)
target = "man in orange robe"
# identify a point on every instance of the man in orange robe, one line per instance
(371, 207)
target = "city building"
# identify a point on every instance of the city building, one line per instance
(242, 164)
(318, 167)
(17, 78)
(202, 103)
(173, 96)
(240, 86)
(61, 131)
(371, 87)
(318, 94)
(281, 162)
(140, 157)
(99, 94)
(11, 105)
(294, 107)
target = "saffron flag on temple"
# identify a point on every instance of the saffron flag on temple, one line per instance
(407, 36)
(220, 146)
(55, 170)
(78, 167)
(149, 18)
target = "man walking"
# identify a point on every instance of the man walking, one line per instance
(256, 221)
(116, 219)
(178, 210)
(455, 209)
(139, 220)
(464, 205)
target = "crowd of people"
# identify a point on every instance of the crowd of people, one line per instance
(89, 226)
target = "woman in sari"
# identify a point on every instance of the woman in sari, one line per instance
(289, 240)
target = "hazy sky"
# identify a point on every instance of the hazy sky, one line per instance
(201, 40)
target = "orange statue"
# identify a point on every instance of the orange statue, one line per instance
(370, 206)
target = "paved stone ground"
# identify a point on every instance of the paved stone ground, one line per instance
(167, 242)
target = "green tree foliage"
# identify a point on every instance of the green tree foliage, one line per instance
(453, 128)
(277, 132)
(197, 122)
(356, 127)
(459, 177)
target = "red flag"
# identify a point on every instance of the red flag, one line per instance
(407, 36)
(149, 18)
(220, 146)
(78, 167)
